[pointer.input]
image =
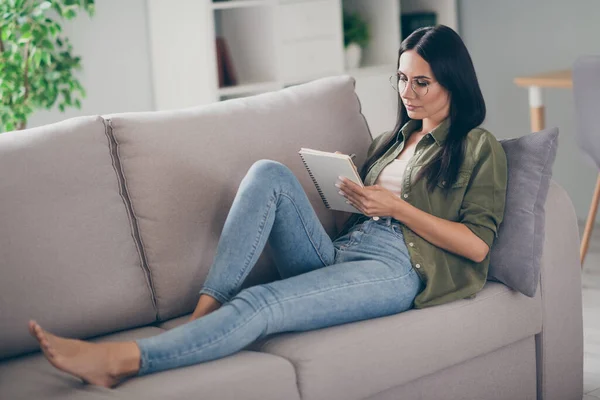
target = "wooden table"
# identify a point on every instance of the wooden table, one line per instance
(535, 84)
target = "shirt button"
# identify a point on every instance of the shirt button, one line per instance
(418, 266)
(405, 196)
(411, 244)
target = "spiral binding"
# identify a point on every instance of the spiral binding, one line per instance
(315, 182)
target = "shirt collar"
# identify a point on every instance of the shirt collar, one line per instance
(439, 133)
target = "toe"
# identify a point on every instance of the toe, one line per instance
(38, 332)
(42, 337)
(33, 327)
(48, 350)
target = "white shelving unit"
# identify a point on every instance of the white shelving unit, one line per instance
(274, 44)
(249, 30)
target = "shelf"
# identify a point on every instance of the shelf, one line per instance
(271, 44)
(247, 88)
(250, 35)
(383, 18)
(226, 5)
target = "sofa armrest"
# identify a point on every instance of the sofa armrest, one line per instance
(559, 346)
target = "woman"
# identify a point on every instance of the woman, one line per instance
(437, 182)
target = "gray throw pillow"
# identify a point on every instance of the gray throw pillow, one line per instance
(516, 255)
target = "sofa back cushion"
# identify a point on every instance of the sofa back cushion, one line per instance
(182, 170)
(67, 254)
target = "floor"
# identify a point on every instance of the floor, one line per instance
(591, 319)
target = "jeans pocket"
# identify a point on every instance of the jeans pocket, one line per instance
(397, 230)
(354, 239)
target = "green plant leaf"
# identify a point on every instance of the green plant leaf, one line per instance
(25, 28)
(356, 29)
(6, 32)
(37, 59)
(52, 65)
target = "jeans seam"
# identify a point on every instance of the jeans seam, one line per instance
(352, 240)
(259, 236)
(145, 362)
(214, 293)
(196, 348)
(399, 235)
(304, 226)
(261, 232)
(166, 358)
(341, 287)
(268, 288)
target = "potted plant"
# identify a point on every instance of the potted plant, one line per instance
(356, 37)
(36, 62)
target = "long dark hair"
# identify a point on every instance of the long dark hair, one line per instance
(452, 67)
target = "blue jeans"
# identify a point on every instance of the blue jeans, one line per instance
(364, 274)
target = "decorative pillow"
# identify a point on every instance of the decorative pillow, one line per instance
(516, 255)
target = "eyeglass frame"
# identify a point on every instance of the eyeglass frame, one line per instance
(396, 86)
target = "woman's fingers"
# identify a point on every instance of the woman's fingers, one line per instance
(353, 204)
(351, 188)
(352, 199)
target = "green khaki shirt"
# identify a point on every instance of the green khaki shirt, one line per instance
(476, 200)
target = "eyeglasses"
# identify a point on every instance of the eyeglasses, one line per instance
(419, 86)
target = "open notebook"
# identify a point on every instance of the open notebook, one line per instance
(324, 168)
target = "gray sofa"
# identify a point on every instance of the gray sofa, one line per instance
(108, 226)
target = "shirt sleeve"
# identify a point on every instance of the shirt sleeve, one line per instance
(482, 209)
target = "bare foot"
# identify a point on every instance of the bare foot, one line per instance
(101, 364)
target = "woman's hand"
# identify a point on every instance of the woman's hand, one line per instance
(372, 201)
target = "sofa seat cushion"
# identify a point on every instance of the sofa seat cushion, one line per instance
(245, 375)
(357, 360)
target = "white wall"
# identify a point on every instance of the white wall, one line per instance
(510, 38)
(116, 61)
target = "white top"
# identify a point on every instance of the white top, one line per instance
(392, 175)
